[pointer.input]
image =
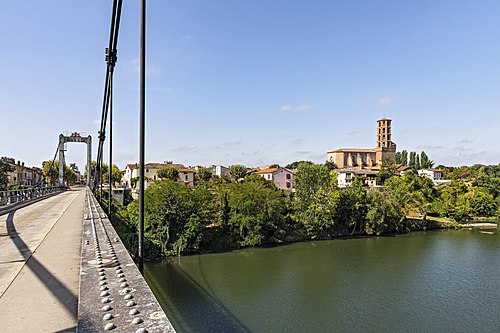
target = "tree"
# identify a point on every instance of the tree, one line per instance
(73, 167)
(404, 157)
(116, 175)
(237, 172)
(417, 161)
(331, 165)
(309, 179)
(51, 172)
(383, 215)
(93, 166)
(295, 165)
(412, 161)
(274, 165)
(4, 169)
(397, 158)
(387, 170)
(425, 162)
(204, 174)
(351, 208)
(169, 173)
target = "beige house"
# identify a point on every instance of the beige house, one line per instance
(186, 175)
(345, 177)
(21, 174)
(367, 158)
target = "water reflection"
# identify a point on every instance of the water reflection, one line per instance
(434, 281)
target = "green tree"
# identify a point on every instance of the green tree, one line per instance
(404, 157)
(412, 160)
(295, 165)
(5, 168)
(309, 179)
(204, 174)
(383, 214)
(168, 173)
(237, 172)
(331, 165)
(116, 175)
(387, 171)
(93, 166)
(482, 202)
(258, 213)
(425, 162)
(351, 208)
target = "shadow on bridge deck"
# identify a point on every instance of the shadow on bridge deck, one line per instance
(65, 296)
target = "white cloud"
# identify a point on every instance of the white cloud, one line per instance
(185, 149)
(297, 108)
(386, 100)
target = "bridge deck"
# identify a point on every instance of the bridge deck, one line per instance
(40, 265)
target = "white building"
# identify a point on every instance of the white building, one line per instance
(281, 177)
(347, 175)
(219, 170)
(433, 174)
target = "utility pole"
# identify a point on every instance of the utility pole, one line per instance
(142, 134)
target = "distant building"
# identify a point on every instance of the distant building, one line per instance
(402, 169)
(186, 175)
(367, 158)
(281, 177)
(435, 175)
(219, 170)
(346, 176)
(21, 174)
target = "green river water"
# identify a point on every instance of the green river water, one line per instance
(439, 281)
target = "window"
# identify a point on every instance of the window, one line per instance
(288, 185)
(186, 177)
(288, 176)
(154, 177)
(268, 176)
(147, 170)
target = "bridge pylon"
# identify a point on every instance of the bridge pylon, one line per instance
(74, 137)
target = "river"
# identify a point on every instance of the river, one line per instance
(438, 281)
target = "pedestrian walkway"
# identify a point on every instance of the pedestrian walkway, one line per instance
(40, 247)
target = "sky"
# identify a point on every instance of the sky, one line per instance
(254, 82)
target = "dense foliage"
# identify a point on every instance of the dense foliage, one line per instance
(221, 214)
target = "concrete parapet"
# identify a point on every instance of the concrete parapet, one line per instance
(113, 294)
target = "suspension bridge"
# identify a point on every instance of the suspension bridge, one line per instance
(63, 267)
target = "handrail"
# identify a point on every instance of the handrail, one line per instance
(14, 196)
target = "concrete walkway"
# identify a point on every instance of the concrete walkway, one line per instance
(40, 253)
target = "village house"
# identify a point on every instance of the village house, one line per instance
(435, 175)
(281, 177)
(219, 170)
(186, 175)
(346, 176)
(21, 174)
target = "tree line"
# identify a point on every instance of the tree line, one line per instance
(414, 160)
(247, 210)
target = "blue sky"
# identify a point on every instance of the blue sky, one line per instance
(255, 82)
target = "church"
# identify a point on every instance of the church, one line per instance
(370, 157)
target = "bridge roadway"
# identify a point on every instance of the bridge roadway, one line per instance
(48, 284)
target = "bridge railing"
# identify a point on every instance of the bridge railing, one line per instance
(16, 196)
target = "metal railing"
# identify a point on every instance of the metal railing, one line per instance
(15, 196)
